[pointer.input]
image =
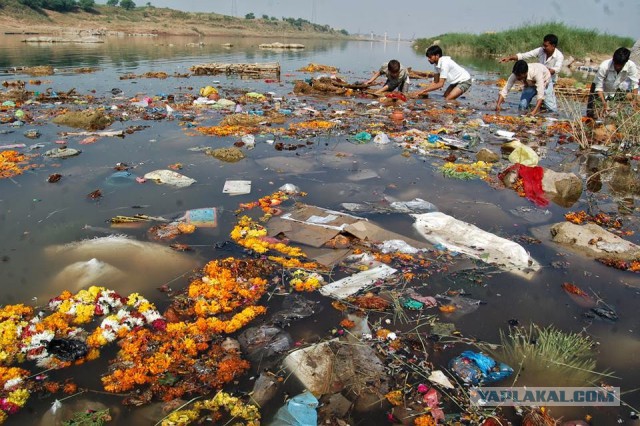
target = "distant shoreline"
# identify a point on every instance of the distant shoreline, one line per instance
(151, 21)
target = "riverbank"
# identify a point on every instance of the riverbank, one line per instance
(151, 21)
(577, 42)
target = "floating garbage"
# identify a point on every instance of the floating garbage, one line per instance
(121, 178)
(298, 411)
(264, 342)
(522, 154)
(170, 177)
(62, 152)
(458, 236)
(381, 139)
(347, 286)
(363, 137)
(476, 367)
(67, 349)
(32, 134)
(249, 141)
(237, 187)
(289, 188)
(202, 218)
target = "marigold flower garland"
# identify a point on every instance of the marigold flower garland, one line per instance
(187, 356)
(477, 170)
(252, 235)
(236, 408)
(12, 163)
(305, 280)
(25, 335)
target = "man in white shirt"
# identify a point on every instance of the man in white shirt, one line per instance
(616, 78)
(536, 78)
(447, 70)
(548, 55)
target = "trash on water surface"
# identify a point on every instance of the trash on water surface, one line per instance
(476, 367)
(345, 287)
(363, 137)
(458, 236)
(237, 187)
(522, 154)
(298, 411)
(505, 134)
(121, 178)
(62, 152)
(170, 177)
(381, 139)
(202, 218)
(67, 349)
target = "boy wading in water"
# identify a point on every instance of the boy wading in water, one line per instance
(447, 71)
(397, 77)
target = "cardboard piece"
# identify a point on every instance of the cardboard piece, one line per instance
(311, 225)
(315, 226)
(368, 231)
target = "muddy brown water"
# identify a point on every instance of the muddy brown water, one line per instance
(35, 214)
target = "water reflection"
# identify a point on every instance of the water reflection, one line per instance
(130, 52)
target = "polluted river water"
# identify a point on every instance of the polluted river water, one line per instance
(39, 220)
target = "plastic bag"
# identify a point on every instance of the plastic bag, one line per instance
(522, 154)
(289, 188)
(208, 90)
(381, 138)
(363, 137)
(298, 411)
(249, 141)
(67, 349)
(475, 367)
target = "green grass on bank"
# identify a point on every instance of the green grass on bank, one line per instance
(574, 41)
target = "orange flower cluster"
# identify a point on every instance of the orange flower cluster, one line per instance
(224, 287)
(312, 67)
(502, 119)
(437, 112)
(395, 397)
(294, 263)
(9, 376)
(574, 289)
(253, 236)
(13, 163)
(174, 363)
(187, 356)
(312, 125)
(266, 203)
(631, 266)
(425, 420)
(12, 319)
(601, 219)
(224, 130)
(371, 301)
(559, 127)
(347, 323)
(306, 281)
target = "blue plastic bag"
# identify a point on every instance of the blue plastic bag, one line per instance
(298, 411)
(475, 367)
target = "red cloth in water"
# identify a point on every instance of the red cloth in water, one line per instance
(532, 182)
(397, 95)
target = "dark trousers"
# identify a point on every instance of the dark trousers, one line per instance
(591, 101)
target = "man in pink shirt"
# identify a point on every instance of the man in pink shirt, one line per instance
(536, 78)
